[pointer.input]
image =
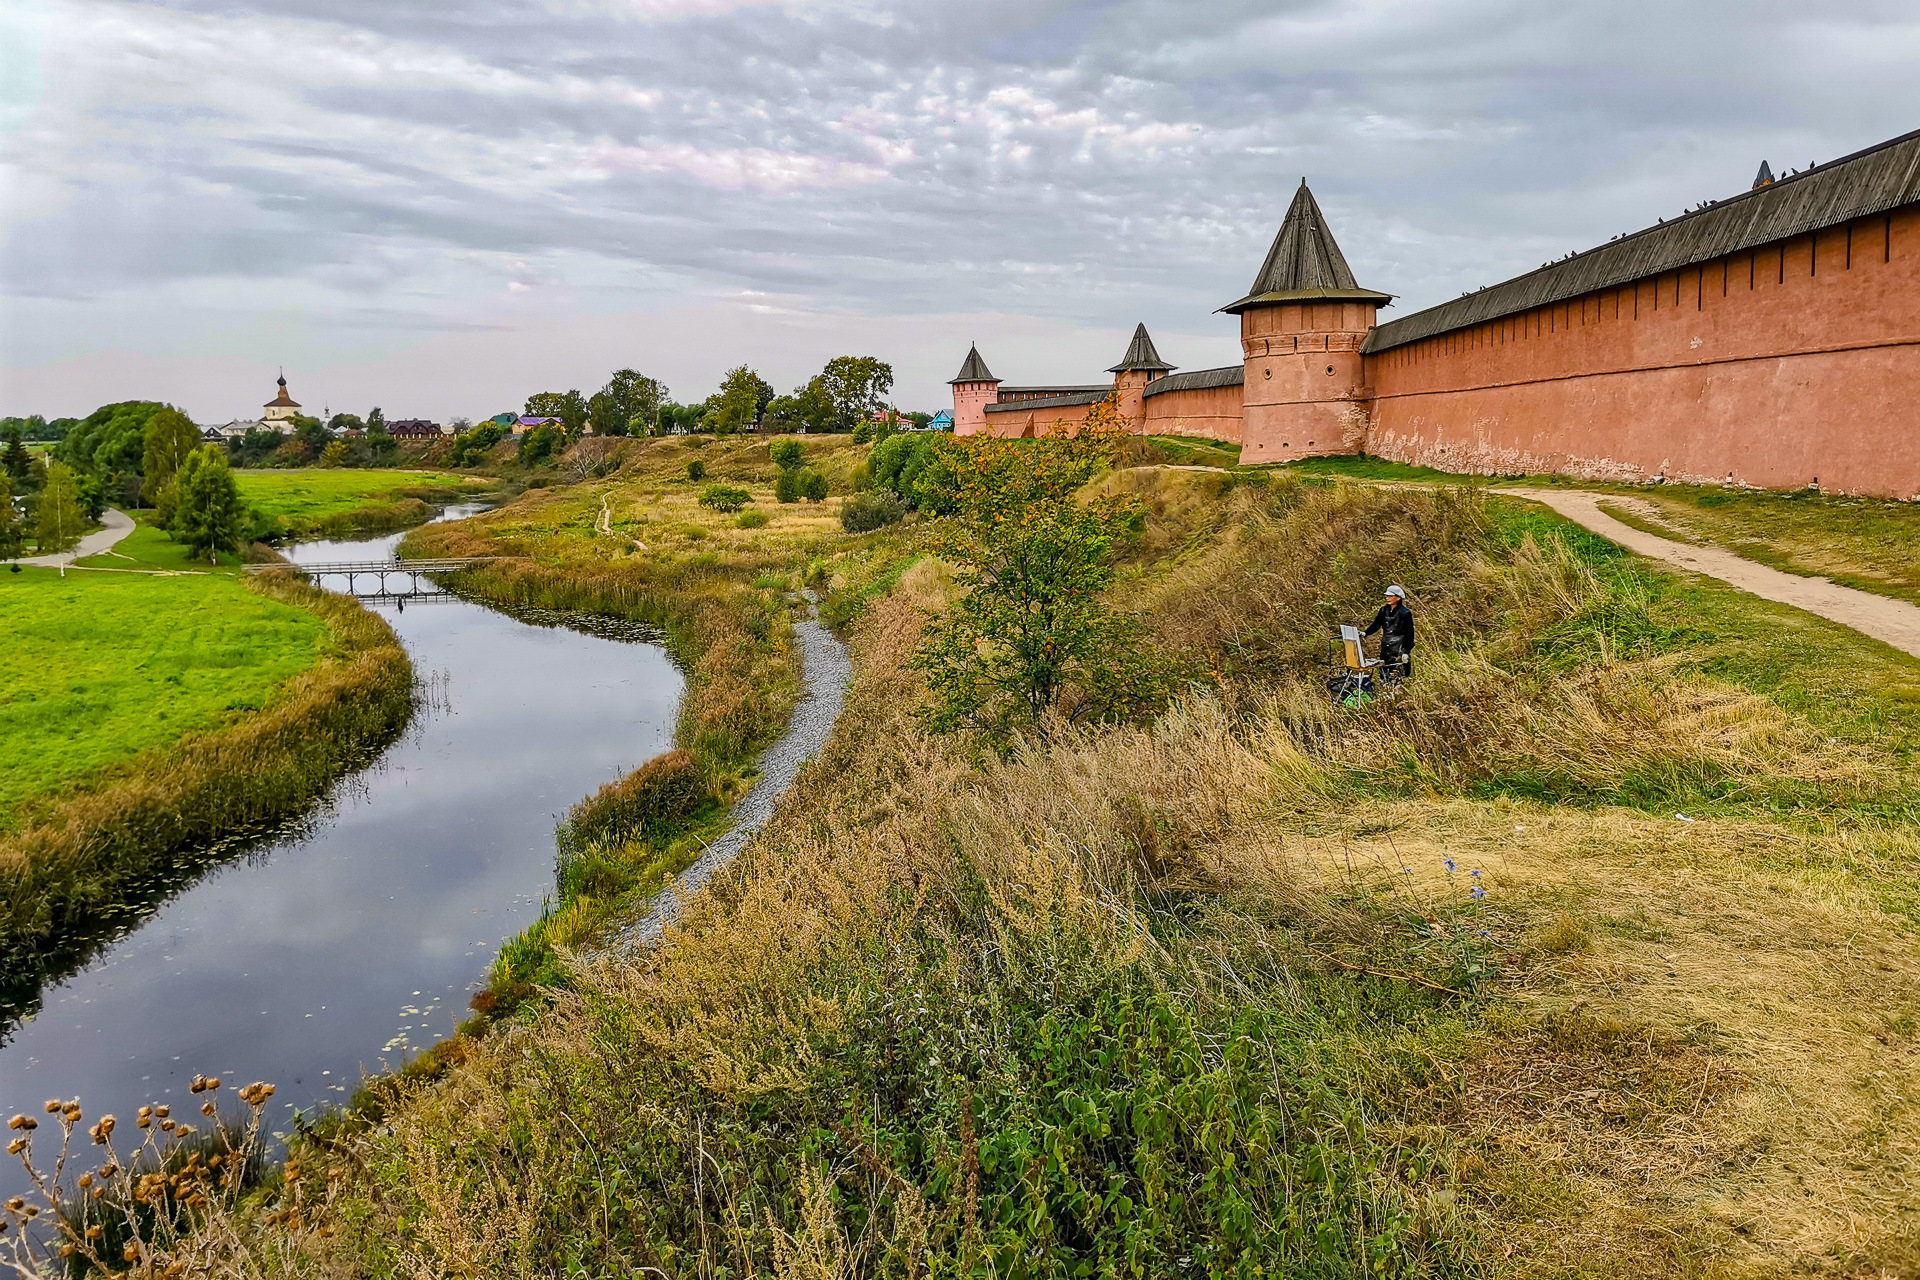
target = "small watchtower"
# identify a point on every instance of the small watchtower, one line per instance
(974, 388)
(1141, 365)
(1301, 326)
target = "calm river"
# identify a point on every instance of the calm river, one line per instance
(355, 943)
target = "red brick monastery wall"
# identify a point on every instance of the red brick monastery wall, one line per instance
(1212, 413)
(1775, 366)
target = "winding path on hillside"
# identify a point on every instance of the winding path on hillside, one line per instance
(826, 670)
(1894, 621)
(114, 525)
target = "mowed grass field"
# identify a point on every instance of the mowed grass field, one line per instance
(306, 495)
(96, 668)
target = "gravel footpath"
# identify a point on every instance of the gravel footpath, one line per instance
(827, 671)
(1893, 621)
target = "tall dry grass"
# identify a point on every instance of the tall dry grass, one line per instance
(1537, 673)
(942, 1018)
(92, 864)
(1135, 997)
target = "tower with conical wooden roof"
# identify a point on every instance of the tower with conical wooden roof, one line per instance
(1301, 326)
(974, 388)
(1141, 365)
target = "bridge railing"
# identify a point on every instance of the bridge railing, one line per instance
(444, 565)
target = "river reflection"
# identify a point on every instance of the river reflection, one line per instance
(342, 949)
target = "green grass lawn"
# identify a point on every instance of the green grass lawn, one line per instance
(313, 494)
(150, 548)
(96, 668)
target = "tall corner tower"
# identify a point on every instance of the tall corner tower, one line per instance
(974, 388)
(1301, 326)
(1141, 365)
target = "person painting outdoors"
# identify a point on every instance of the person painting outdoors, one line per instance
(1394, 622)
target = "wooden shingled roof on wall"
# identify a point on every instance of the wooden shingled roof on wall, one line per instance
(1879, 179)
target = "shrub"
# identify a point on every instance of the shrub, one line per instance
(813, 485)
(724, 498)
(752, 520)
(696, 470)
(787, 454)
(865, 512)
(661, 791)
(786, 486)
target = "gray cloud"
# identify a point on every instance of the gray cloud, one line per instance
(207, 184)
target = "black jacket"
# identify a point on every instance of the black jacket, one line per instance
(1395, 625)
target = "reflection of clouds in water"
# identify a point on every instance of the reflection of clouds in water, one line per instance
(288, 964)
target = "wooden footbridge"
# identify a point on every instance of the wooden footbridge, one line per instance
(377, 580)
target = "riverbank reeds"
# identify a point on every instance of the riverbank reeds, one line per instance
(87, 867)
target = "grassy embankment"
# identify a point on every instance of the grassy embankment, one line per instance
(1870, 544)
(154, 711)
(345, 503)
(1217, 994)
(636, 544)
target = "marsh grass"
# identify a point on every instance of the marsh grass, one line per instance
(84, 868)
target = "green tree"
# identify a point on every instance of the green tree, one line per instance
(108, 443)
(376, 420)
(334, 454)
(59, 519)
(568, 406)
(208, 514)
(724, 498)
(12, 536)
(628, 395)
(15, 460)
(813, 406)
(896, 463)
(742, 397)
(787, 454)
(382, 446)
(471, 447)
(786, 485)
(169, 437)
(856, 387)
(813, 485)
(346, 422)
(538, 445)
(1031, 627)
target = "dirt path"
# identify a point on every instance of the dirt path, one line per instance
(1894, 621)
(115, 525)
(827, 671)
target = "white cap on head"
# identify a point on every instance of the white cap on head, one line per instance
(1397, 590)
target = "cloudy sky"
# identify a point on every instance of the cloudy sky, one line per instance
(439, 206)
